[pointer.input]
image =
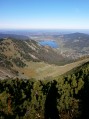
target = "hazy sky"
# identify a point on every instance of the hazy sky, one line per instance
(44, 14)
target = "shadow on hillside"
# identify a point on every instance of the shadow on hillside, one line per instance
(84, 96)
(51, 111)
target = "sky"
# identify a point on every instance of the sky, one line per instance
(44, 14)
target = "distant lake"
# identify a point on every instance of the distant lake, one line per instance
(50, 43)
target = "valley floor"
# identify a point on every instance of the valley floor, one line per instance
(42, 70)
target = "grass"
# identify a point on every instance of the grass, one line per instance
(41, 70)
(38, 70)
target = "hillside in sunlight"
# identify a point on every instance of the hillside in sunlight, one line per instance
(27, 58)
(22, 57)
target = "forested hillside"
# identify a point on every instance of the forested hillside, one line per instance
(66, 97)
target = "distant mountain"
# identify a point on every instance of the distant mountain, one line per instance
(76, 35)
(13, 36)
(76, 41)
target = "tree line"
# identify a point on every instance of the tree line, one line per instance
(65, 97)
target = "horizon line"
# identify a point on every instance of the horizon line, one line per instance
(44, 28)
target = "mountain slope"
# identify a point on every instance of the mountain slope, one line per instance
(76, 40)
(29, 50)
(28, 59)
(13, 36)
(17, 55)
(21, 59)
(69, 93)
(75, 45)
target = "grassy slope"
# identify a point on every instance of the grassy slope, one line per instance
(38, 70)
(42, 70)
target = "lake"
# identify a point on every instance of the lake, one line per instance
(50, 43)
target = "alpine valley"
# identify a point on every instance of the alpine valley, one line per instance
(44, 75)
